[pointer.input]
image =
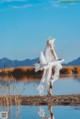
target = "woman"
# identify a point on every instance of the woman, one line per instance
(48, 59)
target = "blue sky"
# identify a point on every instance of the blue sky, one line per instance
(25, 25)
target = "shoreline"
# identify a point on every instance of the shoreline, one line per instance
(65, 100)
(29, 70)
(29, 74)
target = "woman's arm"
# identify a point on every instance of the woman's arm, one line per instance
(52, 52)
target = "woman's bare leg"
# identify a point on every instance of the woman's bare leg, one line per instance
(50, 86)
(50, 89)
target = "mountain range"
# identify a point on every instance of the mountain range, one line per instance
(5, 62)
(75, 62)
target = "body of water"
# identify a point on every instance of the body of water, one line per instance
(29, 87)
(42, 112)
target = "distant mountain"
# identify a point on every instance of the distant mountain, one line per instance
(5, 62)
(75, 62)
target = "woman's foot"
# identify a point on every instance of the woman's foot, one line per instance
(49, 93)
(50, 89)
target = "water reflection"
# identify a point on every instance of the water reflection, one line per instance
(12, 113)
(17, 112)
(33, 78)
(28, 86)
(21, 78)
(43, 114)
(76, 107)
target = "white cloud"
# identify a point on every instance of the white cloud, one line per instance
(70, 1)
(55, 5)
(2, 1)
(63, 3)
(23, 6)
(15, 6)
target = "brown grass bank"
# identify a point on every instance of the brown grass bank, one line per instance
(30, 71)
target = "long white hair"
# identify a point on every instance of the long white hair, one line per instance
(47, 53)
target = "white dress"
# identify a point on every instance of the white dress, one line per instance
(47, 61)
(48, 55)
